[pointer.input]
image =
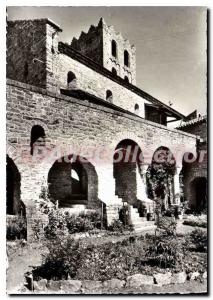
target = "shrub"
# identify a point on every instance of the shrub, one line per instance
(164, 252)
(118, 226)
(57, 225)
(94, 217)
(166, 225)
(16, 228)
(78, 224)
(198, 238)
(61, 260)
(195, 223)
(69, 223)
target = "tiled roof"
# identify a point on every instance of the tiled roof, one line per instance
(197, 120)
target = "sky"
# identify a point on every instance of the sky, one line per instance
(170, 45)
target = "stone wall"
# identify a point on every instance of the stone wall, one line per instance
(26, 51)
(199, 168)
(93, 82)
(97, 45)
(35, 56)
(90, 44)
(123, 44)
(81, 127)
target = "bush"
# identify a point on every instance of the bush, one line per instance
(16, 228)
(79, 260)
(57, 225)
(198, 238)
(94, 217)
(78, 224)
(69, 223)
(118, 226)
(165, 252)
(61, 260)
(195, 223)
(166, 225)
(70, 258)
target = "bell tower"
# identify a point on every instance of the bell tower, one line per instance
(108, 48)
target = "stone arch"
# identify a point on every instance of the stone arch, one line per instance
(114, 71)
(192, 170)
(37, 137)
(127, 135)
(198, 193)
(136, 109)
(114, 48)
(126, 58)
(127, 161)
(109, 96)
(68, 190)
(160, 177)
(126, 79)
(14, 204)
(71, 80)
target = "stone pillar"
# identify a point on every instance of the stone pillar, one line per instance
(106, 191)
(141, 182)
(31, 186)
(177, 186)
(52, 58)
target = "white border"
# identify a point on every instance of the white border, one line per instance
(207, 4)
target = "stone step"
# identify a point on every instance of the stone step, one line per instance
(144, 222)
(146, 228)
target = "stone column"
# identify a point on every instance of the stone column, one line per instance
(106, 191)
(31, 187)
(177, 186)
(141, 181)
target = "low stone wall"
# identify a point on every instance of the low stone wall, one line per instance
(101, 287)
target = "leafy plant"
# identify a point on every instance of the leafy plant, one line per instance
(165, 252)
(61, 260)
(118, 226)
(198, 238)
(16, 228)
(195, 223)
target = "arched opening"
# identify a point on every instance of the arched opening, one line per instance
(26, 71)
(37, 137)
(198, 194)
(126, 166)
(160, 177)
(114, 72)
(192, 168)
(126, 58)
(71, 80)
(126, 79)
(114, 48)
(16, 224)
(109, 96)
(136, 109)
(73, 182)
(14, 206)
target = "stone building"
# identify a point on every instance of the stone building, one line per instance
(70, 110)
(195, 173)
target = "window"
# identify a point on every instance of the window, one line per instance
(109, 96)
(37, 137)
(114, 48)
(126, 58)
(114, 72)
(126, 79)
(26, 70)
(136, 109)
(71, 80)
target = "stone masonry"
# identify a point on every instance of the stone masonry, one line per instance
(79, 121)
